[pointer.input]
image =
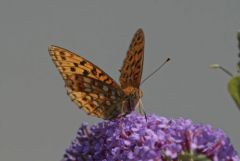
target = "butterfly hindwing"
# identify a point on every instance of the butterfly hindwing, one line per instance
(95, 97)
(131, 71)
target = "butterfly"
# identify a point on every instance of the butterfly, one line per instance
(96, 92)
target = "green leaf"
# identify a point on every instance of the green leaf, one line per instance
(234, 89)
(192, 157)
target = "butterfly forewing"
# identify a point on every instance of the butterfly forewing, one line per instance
(131, 71)
(69, 63)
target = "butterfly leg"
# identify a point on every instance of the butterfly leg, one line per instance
(141, 109)
(121, 118)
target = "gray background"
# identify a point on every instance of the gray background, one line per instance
(38, 120)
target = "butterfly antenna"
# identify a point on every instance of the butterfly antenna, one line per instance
(167, 60)
(217, 66)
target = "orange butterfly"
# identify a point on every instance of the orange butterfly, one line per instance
(95, 91)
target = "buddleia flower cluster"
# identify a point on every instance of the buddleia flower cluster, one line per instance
(132, 138)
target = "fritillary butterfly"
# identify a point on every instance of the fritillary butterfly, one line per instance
(95, 91)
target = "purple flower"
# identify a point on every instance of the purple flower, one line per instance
(159, 139)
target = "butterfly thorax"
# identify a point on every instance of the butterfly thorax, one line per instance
(133, 91)
(131, 99)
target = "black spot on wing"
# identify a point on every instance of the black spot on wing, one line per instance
(85, 73)
(141, 50)
(83, 62)
(139, 60)
(75, 64)
(101, 74)
(73, 69)
(94, 71)
(62, 53)
(130, 59)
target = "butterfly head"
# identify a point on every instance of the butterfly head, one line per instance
(133, 94)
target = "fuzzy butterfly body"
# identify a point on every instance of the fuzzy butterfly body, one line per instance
(95, 91)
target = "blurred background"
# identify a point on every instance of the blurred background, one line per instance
(38, 120)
